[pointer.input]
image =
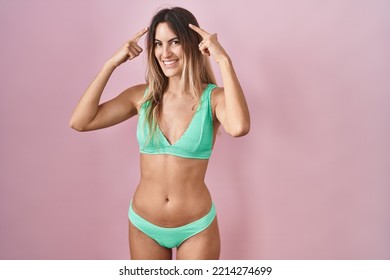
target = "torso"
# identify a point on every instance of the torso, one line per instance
(172, 191)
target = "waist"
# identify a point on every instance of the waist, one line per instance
(171, 191)
(174, 209)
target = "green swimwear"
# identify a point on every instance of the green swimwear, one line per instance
(197, 140)
(171, 237)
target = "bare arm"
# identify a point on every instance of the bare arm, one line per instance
(231, 108)
(89, 114)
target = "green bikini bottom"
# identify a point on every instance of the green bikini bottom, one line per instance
(171, 237)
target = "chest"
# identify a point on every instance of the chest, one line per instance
(176, 116)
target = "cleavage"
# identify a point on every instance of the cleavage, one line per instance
(176, 116)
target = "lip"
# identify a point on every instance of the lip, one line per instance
(170, 63)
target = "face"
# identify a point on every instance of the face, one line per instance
(168, 50)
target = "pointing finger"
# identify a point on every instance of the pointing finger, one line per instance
(199, 30)
(135, 48)
(139, 34)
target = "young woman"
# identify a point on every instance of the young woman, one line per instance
(179, 111)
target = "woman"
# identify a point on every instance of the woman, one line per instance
(179, 112)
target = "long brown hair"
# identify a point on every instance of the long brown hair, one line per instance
(196, 67)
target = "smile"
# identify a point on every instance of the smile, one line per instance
(170, 63)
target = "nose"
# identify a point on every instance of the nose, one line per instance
(166, 50)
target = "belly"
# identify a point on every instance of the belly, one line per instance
(172, 191)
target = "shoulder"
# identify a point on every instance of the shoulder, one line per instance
(135, 93)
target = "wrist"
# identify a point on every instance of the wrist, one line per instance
(110, 65)
(224, 60)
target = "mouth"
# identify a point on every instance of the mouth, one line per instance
(170, 63)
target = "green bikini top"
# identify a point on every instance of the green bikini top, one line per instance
(197, 140)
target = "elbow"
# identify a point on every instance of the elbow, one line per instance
(241, 130)
(74, 125)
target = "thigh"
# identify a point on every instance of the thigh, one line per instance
(142, 247)
(205, 245)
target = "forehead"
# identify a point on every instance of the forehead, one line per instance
(164, 32)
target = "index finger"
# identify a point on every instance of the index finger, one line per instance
(199, 30)
(139, 34)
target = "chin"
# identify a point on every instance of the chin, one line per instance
(171, 74)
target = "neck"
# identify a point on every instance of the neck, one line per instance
(174, 87)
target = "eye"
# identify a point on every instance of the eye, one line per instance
(157, 44)
(175, 42)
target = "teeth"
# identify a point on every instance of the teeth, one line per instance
(169, 62)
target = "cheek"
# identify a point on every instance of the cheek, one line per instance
(179, 52)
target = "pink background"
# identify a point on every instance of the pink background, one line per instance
(310, 181)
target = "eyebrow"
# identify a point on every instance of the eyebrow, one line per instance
(175, 38)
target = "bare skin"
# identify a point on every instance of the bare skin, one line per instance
(171, 191)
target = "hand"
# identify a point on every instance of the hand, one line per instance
(210, 45)
(129, 50)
